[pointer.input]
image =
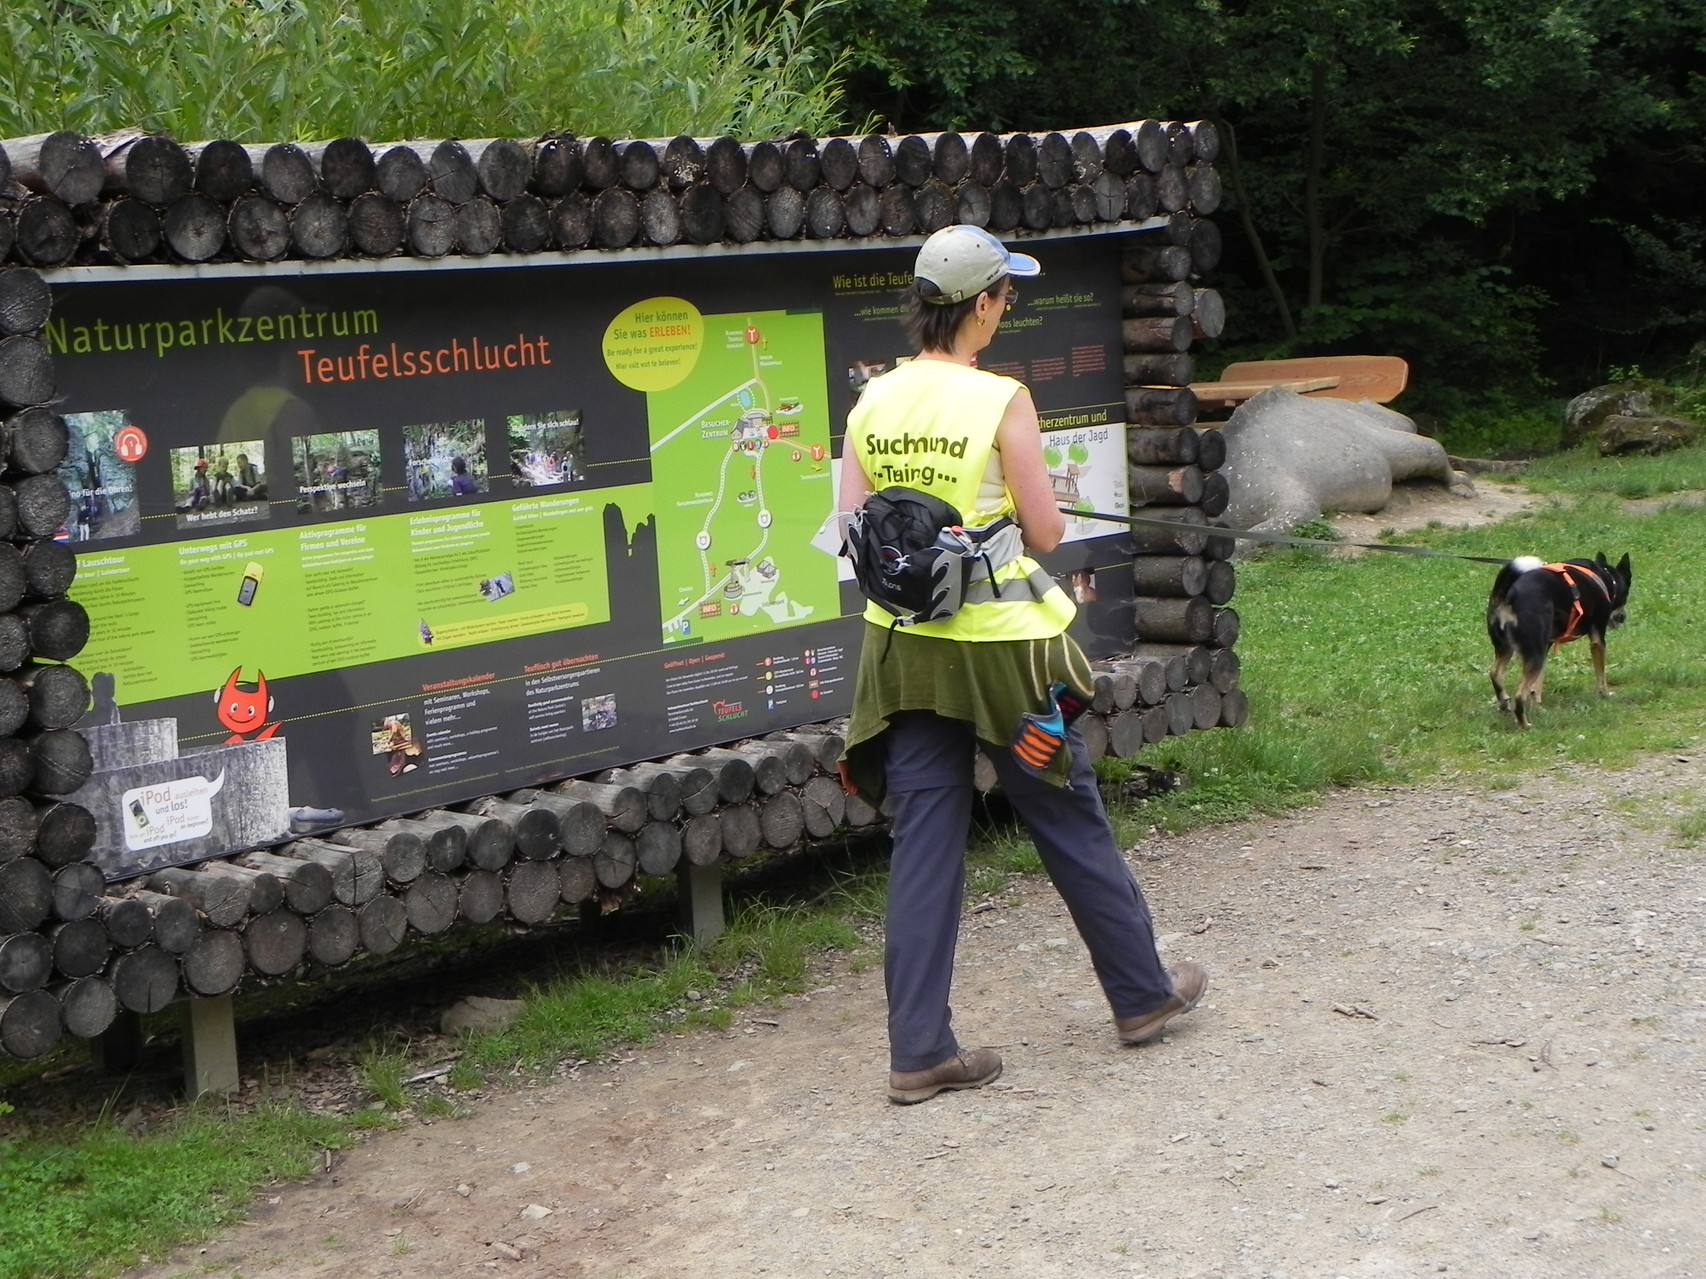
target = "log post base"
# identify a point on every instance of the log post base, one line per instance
(210, 1046)
(118, 1048)
(701, 902)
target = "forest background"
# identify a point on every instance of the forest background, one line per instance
(1510, 194)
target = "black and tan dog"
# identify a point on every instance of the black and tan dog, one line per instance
(1537, 606)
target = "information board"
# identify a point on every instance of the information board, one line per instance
(356, 544)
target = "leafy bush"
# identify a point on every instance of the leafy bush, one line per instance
(265, 70)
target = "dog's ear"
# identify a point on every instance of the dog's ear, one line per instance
(1624, 571)
(1601, 560)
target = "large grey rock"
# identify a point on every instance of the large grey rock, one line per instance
(1624, 433)
(481, 1013)
(1290, 458)
(1586, 414)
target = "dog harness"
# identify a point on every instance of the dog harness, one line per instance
(1577, 612)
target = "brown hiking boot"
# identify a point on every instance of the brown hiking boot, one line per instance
(1190, 984)
(968, 1068)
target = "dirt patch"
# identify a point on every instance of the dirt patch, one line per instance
(1448, 1033)
(1417, 505)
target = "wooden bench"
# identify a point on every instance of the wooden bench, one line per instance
(1340, 377)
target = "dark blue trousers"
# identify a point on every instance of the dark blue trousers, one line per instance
(928, 766)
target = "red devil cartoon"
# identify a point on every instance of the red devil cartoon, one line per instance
(244, 712)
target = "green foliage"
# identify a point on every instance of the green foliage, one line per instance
(87, 1203)
(267, 70)
(1583, 472)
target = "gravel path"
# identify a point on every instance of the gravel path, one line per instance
(1448, 1034)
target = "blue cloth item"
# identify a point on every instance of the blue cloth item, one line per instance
(928, 761)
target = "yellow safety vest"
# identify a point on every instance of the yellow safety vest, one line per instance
(930, 425)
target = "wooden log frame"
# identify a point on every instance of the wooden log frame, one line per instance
(197, 930)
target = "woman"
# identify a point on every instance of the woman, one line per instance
(926, 693)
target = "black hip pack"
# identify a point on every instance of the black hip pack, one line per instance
(913, 558)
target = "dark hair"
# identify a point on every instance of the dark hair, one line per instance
(458, 465)
(932, 325)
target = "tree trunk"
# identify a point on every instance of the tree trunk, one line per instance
(825, 806)
(1157, 575)
(801, 167)
(784, 213)
(319, 227)
(1172, 192)
(266, 890)
(260, 228)
(17, 764)
(346, 166)
(725, 165)
(19, 830)
(1221, 582)
(598, 164)
(1156, 262)
(308, 873)
(661, 787)
(491, 843)
(479, 227)
(1165, 486)
(580, 822)
(1181, 715)
(1193, 661)
(284, 171)
(623, 806)
(223, 169)
(26, 377)
(660, 218)
(446, 846)
(683, 163)
(1160, 405)
(950, 158)
(1166, 298)
(741, 830)
(214, 964)
(176, 923)
(1179, 446)
(130, 231)
(80, 947)
(658, 847)
(432, 226)
(1216, 493)
(838, 162)
(1211, 454)
(532, 891)
(1174, 621)
(26, 301)
(1205, 706)
(1093, 732)
(863, 208)
(702, 839)
(35, 444)
(65, 164)
(615, 859)
(1159, 369)
(1037, 210)
(87, 1006)
(615, 218)
(224, 901)
(781, 820)
(1234, 709)
(860, 811)
(557, 166)
(402, 854)
(45, 233)
(826, 217)
(898, 210)
(536, 827)
(702, 218)
(349, 876)
(14, 706)
(743, 215)
(525, 224)
(1225, 627)
(1125, 734)
(764, 172)
(333, 936)
(1203, 183)
(383, 924)
(62, 759)
(126, 921)
(1205, 246)
(29, 1024)
(578, 879)
(430, 902)
(480, 898)
(26, 962)
(400, 174)
(146, 980)
(1263, 262)
(274, 944)
(935, 206)
(77, 890)
(502, 167)
(1006, 205)
(1140, 200)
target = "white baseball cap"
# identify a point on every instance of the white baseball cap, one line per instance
(962, 261)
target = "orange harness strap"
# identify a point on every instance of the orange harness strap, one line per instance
(1577, 612)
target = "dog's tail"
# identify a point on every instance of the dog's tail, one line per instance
(1505, 580)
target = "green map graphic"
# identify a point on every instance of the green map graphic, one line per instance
(740, 464)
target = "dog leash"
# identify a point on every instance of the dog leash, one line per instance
(1276, 539)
